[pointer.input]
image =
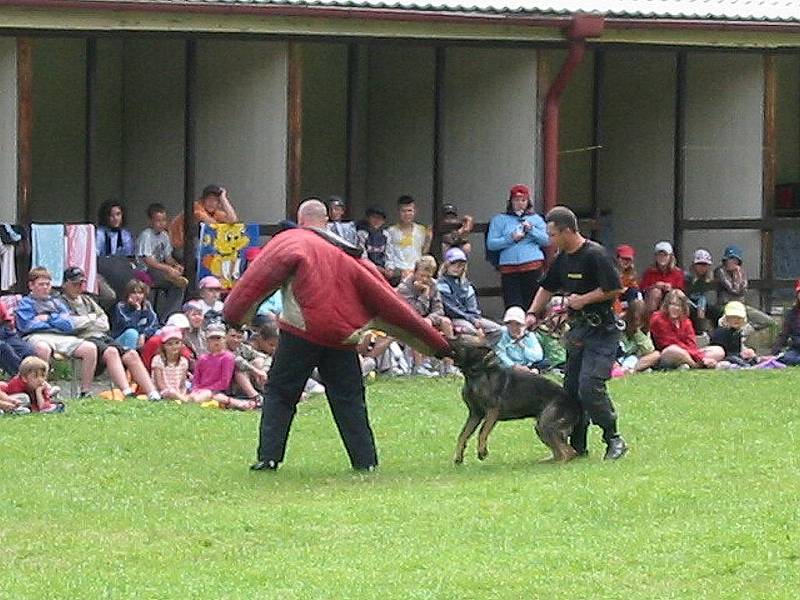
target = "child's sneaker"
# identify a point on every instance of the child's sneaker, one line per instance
(21, 410)
(424, 371)
(52, 408)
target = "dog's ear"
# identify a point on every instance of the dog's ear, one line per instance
(491, 360)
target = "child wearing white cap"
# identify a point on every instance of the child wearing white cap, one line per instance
(517, 347)
(661, 277)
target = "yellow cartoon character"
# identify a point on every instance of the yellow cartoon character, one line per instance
(226, 263)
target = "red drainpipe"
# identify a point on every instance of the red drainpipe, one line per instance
(580, 28)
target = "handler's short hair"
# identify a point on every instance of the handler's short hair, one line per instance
(33, 365)
(563, 218)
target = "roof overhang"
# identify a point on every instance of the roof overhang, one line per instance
(347, 22)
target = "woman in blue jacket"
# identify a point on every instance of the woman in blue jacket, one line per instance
(520, 236)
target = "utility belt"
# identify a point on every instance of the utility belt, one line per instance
(606, 319)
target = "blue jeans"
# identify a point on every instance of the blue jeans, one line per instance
(12, 350)
(128, 339)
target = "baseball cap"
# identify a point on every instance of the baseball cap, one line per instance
(335, 201)
(514, 314)
(735, 309)
(733, 252)
(209, 282)
(664, 247)
(626, 251)
(520, 190)
(169, 332)
(211, 190)
(702, 257)
(74, 274)
(178, 320)
(455, 255)
(215, 329)
(192, 305)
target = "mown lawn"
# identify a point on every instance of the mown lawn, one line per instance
(138, 500)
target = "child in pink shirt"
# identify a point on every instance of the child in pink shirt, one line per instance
(213, 372)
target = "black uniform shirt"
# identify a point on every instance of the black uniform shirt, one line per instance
(586, 269)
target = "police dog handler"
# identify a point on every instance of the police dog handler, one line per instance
(585, 274)
(330, 297)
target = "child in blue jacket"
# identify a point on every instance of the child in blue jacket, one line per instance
(134, 319)
(517, 347)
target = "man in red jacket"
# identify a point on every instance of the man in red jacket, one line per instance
(330, 296)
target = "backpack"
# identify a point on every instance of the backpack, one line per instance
(492, 256)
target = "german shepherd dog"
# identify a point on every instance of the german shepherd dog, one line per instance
(494, 393)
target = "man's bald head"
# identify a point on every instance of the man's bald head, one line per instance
(312, 213)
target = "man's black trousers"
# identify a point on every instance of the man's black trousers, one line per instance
(340, 372)
(590, 355)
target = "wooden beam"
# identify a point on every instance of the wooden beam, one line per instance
(679, 153)
(597, 127)
(294, 134)
(769, 170)
(350, 133)
(90, 136)
(24, 129)
(438, 136)
(543, 81)
(189, 160)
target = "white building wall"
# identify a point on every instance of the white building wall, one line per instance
(636, 163)
(241, 125)
(153, 120)
(724, 131)
(59, 125)
(400, 127)
(489, 133)
(8, 129)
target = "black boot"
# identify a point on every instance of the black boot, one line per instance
(264, 465)
(578, 437)
(615, 448)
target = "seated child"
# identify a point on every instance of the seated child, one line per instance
(637, 352)
(152, 345)
(701, 290)
(213, 373)
(154, 251)
(517, 347)
(673, 334)
(12, 347)
(627, 276)
(420, 291)
(789, 339)
(459, 298)
(210, 290)
(250, 364)
(134, 319)
(270, 309)
(31, 384)
(265, 341)
(195, 338)
(729, 336)
(45, 322)
(15, 404)
(170, 368)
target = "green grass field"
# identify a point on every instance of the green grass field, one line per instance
(138, 500)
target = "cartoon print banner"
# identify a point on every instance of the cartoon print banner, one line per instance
(221, 251)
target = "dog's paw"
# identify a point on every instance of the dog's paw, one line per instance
(457, 460)
(483, 453)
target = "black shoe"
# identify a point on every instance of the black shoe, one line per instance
(581, 454)
(264, 465)
(367, 469)
(615, 448)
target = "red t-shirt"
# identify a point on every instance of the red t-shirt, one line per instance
(16, 385)
(654, 275)
(665, 333)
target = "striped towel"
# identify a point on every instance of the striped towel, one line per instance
(81, 252)
(48, 249)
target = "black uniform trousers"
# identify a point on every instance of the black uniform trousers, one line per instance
(520, 288)
(590, 356)
(340, 372)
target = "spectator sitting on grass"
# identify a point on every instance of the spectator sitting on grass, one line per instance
(91, 324)
(12, 347)
(420, 291)
(408, 240)
(637, 352)
(550, 331)
(661, 278)
(14, 404)
(459, 298)
(213, 373)
(251, 370)
(210, 290)
(170, 368)
(517, 347)
(344, 229)
(701, 290)
(31, 384)
(374, 240)
(195, 338)
(788, 341)
(134, 318)
(732, 285)
(673, 334)
(45, 322)
(152, 345)
(627, 276)
(729, 336)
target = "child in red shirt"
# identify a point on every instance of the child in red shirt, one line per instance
(32, 382)
(673, 334)
(662, 277)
